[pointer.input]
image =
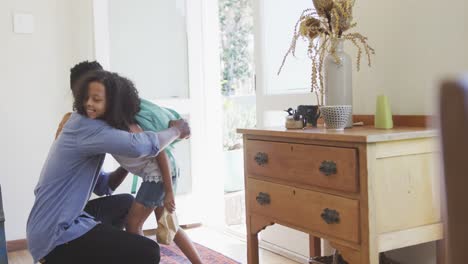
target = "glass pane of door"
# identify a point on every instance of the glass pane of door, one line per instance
(275, 22)
(148, 43)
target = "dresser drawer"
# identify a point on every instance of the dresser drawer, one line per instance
(327, 214)
(329, 167)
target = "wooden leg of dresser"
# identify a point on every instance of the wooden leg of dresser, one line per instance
(252, 249)
(255, 224)
(441, 253)
(314, 246)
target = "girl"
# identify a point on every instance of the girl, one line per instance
(159, 174)
(58, 230)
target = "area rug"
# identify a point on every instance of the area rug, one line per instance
(172, 255)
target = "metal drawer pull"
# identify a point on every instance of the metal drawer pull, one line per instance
(263, 198)
(330, 216)
(261, 158)
(328, 167)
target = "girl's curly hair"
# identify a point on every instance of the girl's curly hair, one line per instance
(122, 100)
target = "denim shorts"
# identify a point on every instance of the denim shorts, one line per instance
(151, 194)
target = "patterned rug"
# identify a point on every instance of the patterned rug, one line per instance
(172, 255)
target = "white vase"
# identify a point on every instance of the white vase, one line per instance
(338, 77)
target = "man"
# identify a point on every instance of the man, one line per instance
(112, 209)
(58, 229)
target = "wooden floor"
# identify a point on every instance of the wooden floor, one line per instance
(19, 257)
(218, 241)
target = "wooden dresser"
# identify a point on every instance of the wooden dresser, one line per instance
(365, 190)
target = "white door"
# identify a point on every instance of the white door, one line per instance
(274, 26)
(159, 45)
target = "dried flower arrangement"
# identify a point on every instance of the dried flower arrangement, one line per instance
(322, 28)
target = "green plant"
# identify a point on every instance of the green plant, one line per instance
(236, 26)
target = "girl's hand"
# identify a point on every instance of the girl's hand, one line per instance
(134, 128)
(169, 202)
(182, 126)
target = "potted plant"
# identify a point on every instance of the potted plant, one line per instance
(325, 28)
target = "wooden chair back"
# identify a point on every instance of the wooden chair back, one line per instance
(454, 135)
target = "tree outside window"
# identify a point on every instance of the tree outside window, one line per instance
(236, 26)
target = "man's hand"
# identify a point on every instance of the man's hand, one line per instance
(169, 202)
(182, 126)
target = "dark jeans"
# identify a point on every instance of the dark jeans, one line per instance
(106, 245)
(110, 210)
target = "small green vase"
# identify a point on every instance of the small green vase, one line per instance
(383, 115)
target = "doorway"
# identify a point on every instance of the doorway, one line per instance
(237, 88)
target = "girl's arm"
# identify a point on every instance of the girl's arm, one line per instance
(108, 182)
(119, 142)
(163, 163)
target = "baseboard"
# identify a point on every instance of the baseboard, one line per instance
(149, 232)
(152, 232)
(271, 247)
(399, 120)
(237, 235)
(16, 245)
(190, 226)
(283, 252)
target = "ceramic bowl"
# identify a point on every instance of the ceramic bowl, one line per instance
(336, 116)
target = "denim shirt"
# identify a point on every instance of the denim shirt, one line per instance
(72, 171)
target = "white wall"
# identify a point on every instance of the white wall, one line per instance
(34, 71)
(417, 43)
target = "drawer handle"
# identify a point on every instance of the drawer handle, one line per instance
(328, 167)
(261, 158)
(263, 198)
(330, 216)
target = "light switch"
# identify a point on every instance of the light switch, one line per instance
(23, 23)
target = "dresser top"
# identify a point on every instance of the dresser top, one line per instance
(363, 134)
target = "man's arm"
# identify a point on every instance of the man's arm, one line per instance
(119, 142)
